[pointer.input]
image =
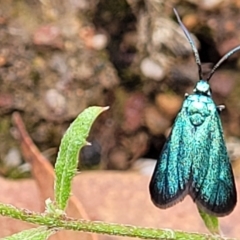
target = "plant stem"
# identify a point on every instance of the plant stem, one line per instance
(68, 223)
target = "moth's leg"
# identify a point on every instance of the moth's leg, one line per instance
(220, 108)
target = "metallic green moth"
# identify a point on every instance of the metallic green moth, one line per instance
(194, 159)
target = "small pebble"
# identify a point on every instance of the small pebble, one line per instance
(99, 41)
(133, 112)
(190, 21)
(83, 5)
(3, 61)
(55, 101)
(155, 121)
(151, 69)
(12, 158)
(69, 26)
(48, 36)
(168, 104)
(91, 154)
(58, 63)
(209, 4)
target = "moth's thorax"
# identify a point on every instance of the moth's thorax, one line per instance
(199, 105)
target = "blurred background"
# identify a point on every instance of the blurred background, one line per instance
(58, 57)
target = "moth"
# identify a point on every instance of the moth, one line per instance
(194, 159)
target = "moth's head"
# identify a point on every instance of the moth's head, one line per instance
(202, 87)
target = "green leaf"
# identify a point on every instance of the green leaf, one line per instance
(67, 160)
(41, 233)
(211, 222)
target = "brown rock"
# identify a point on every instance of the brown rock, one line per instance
(91, 39)
(155, 121)
(133, 111)
(190, 21)
(3, 61)
(168, 104)
(55, 102)
(152, 69)
(49, 36)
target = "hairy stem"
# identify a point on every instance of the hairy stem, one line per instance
(64, 222)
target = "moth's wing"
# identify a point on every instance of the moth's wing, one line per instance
(213, 187)
(169, 183)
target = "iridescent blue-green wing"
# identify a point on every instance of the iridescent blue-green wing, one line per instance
(213, 187)
(170, 180)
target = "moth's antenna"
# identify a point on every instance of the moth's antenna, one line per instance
(225, 57)
(195, 51)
